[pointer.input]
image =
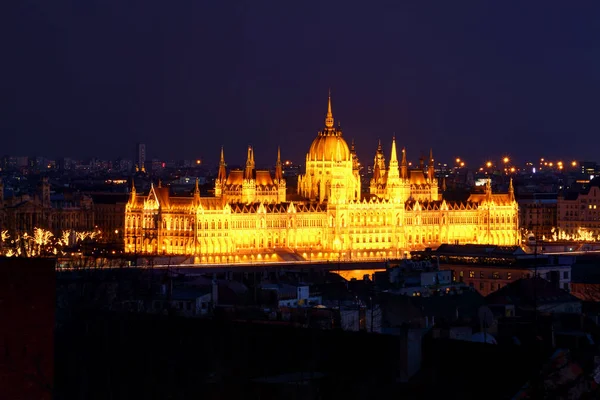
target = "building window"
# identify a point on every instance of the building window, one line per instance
(566, 275)
(508, 276)
(481, 286)
(471, 274)
(496, 275)
(481, 275)
(565, 286)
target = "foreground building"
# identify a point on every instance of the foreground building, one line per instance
(249, 218)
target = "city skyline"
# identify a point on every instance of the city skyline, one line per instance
(462, 80)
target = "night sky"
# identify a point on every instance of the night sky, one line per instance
(475, 79)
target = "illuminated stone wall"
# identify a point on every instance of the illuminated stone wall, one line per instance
(579, 215)
(249, 219)
(355, 230)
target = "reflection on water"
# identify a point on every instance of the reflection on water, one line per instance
(357, 273)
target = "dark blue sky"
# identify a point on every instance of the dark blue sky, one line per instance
(474, 79)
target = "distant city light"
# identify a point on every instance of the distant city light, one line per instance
(488, 164)
(506, 160)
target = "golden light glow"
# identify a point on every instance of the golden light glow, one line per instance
(582, 235)
(505, 160)
(250, 220)
(573, 163)
(42, 243)
(488, 164)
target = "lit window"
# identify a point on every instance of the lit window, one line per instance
(471, 274)
(508, 276)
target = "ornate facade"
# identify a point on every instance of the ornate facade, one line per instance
(23, 213)
(250, 219)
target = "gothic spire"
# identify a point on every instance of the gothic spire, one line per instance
(431, 168)
(249, 164)
(222, 174)
(393, 170)
(329, 117)
(404, 165)
(278, 166)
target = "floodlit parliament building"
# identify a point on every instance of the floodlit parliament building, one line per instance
(250, 219)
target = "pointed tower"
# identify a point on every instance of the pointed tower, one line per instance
(433, 183)
(249, 183)
(355, 164)
(278, 166)
(329, 116)
(431, 167)
(354, 192)
(393, 183)
(393, 172)
(221, 175)
(378, 179)
(248, 172)
(196, 193)
(511, 191)
(279, 181)
(404, 166)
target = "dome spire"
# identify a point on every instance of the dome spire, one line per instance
(329, 117)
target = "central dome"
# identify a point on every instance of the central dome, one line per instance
(329, 147)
